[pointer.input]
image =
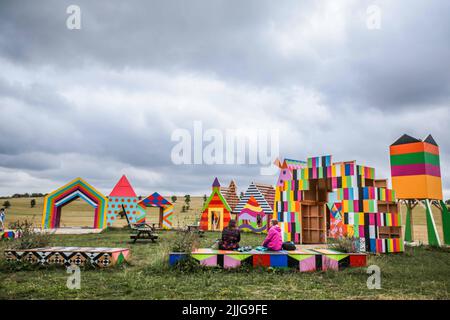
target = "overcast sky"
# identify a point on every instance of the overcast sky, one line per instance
(104, 100)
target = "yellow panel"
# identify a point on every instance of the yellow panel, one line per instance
(417, 187)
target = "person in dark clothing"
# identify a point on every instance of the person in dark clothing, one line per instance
(231, 236)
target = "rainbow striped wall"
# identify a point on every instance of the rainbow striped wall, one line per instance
(415, 168)
(77, 188)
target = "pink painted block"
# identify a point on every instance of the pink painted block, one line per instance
(356, 206)
(212, 261)
(329, 264)
(229, 263)
(361, 232)
(308, 264)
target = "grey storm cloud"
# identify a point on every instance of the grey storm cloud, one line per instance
(104, 100)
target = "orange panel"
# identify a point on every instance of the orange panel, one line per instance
(417, 187)
(414, 147)
(431, 148)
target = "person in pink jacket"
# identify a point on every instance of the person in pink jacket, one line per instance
(273, 240)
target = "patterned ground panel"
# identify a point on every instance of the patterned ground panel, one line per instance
(80, 256)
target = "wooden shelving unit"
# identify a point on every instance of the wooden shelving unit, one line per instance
(389, 232)
(313, 223)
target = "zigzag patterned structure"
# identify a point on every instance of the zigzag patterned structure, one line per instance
(66, 256)
(255, 209)
(77, 188)
(156, 200)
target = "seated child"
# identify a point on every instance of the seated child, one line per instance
(273, 240)
(231, 236)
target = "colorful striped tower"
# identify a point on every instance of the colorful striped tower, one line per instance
(416, 178)
(415, 168)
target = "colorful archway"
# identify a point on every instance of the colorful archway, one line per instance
(166, 209)
(77, 188)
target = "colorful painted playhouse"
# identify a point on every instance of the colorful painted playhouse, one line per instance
(216, 212)
(55, 201)
(123, 195)
(255, 209)
(318, 199)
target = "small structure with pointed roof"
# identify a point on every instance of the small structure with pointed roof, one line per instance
(165, 209)
(255, 208)
(123, 194)
(216, 212)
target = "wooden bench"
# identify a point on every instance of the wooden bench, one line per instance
(141, 231)
(195, 228)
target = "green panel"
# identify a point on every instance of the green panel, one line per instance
(408, 229)
(414, 158)
(120, 259)
(445, 223)
(337, 257)
(239, 257)
(433, 237)
(300, 257)
(201, 257)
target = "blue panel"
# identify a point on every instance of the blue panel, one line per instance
(174, 258)
(279, 260)
(366, 193)
(373, 245)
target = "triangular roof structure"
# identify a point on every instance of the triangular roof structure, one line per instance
(430, 140)
(268, 193)
(264, 195)
(123, 188)
(216, 191)
(404, 139)
(216, 183)
(154, 200)
(230, 194)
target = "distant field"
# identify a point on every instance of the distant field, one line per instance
(79, 214)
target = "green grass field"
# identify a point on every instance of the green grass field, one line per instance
(419, 273)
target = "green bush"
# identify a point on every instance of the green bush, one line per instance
(343, 244)
(185, 242)
(29, 238)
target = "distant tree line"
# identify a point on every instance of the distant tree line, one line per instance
(25, 195)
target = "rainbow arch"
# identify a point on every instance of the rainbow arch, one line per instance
(77, 188)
